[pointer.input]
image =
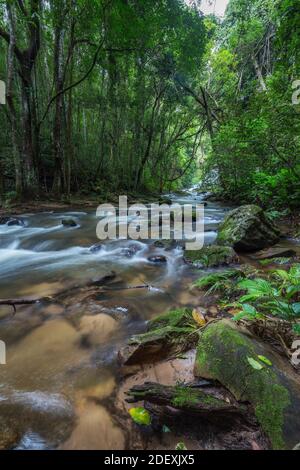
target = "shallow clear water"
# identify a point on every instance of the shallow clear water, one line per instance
(58, 387)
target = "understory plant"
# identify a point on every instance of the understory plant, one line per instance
(277, 296)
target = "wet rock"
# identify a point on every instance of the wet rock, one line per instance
(95, 430)
(97, 329)
(226, 354)
(165, 200)
(211, 256)
(96, 248)
(9, 437)
(55, 340)
(69, 222)
(209, 196)
(48, 415)
(166, 336)
(247, 229)
(11, 221)
(131, 250)
(169, 245)
(274, 253)
(158, 259)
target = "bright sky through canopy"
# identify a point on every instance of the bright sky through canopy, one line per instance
(217, 7)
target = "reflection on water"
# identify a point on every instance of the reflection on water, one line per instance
(61, 372)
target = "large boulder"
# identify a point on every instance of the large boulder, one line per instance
(166, 336)
(253, 373)
(211, 256)
(247, 228)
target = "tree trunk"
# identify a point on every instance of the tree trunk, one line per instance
(59, 180)
(10, 99)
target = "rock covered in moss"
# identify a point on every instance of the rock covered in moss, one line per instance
(166, 336)
(230, 356)
(247, 228)
(211, 256)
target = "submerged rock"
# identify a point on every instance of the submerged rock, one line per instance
(97, 329)
(166, 336)
(157, 259)
(11, 221)
(169, 245)
(69, 222)
(234, 359)
(96, 248)
(9, 436)
(95, 430)
(247, 228)
(211, 256)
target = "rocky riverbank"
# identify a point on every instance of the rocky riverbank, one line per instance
(204, 369)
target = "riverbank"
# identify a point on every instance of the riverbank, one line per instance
(76, 201)
(63, 352)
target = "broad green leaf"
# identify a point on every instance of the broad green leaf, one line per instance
(254, 364)
(296, 328)
(296, 308)
(180, 446)
(265, 360)
(140, 416)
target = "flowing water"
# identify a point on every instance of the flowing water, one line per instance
(58, 387)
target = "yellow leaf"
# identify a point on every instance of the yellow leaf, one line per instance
(198, 317)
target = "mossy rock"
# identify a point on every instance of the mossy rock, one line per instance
(247, 229)
(211, 256)
(223, 354)
(167, 336)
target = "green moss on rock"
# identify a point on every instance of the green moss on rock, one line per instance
(174, 318)
(247, 228)
(167, 335)
(222, 355)
(211, 256)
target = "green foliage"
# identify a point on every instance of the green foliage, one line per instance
(140, 416)
(180, 446)
(254, 155)
(220, 282)
(279, 296)
(265, 360)
(254, 364)
(126, 125)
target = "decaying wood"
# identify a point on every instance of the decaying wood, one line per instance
(189, 399)
(95, 283)
(14, 302)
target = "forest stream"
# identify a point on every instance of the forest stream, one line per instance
(62, 385)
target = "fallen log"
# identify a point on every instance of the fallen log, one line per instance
(186, 398)
(14, 302)
(95, 283)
